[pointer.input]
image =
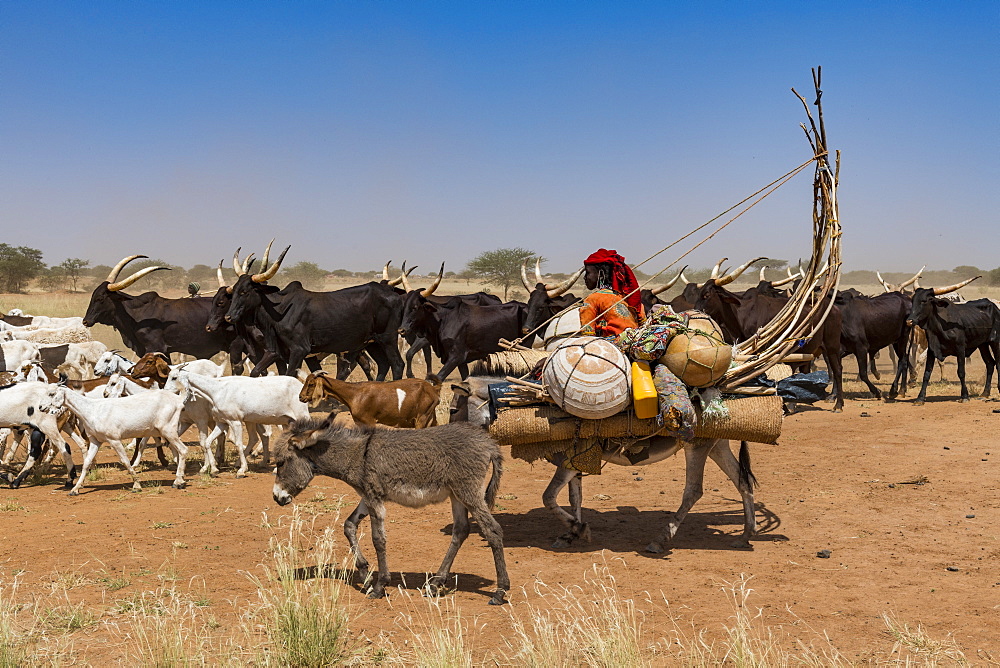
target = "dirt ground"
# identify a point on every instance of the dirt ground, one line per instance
(905, 498)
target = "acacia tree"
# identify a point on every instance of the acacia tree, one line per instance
(72, 267)
(500, 267)
(18, 265)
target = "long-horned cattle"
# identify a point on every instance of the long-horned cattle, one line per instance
(151, 323)
(955, 330)
(297, 322)
(414, 300)
(412, 467)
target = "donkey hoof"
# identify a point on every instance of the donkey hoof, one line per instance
(741, 544)
(963, 400)
(74, 492)
(561, 542)
(180, 485)
(918, 402)
(654, 548)
(498, 598)
(376, 594)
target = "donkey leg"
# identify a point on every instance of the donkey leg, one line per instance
(491, 530)
(723, 456)
(377, 509)
(459, 532)
(351, 533)
(577, 528)
(695, 455)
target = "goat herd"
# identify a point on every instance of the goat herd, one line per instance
(151, 398)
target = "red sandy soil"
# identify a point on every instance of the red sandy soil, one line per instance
(897, 493)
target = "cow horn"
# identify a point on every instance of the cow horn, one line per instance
(732, 276)
(885, 286)
(715, 269)
(393, 282)
(113, 276)
(951, 288)
(913, 281)
(556, 290)
(124, 283)
(272, 270)
(684, 278)
(241, 267)
(524, 275)
(403, 276)
(670, 284)
(784, 281)
(218, 273)
(263, 262)
(538, 271)
(762, 270)
(427, 292)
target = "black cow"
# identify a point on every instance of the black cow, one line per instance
(150, 323)
(740, 317)
(299, 323)
(870, 324)
(955, 330)
(415, 335)
(460, 333)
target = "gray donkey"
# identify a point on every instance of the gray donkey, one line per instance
(411, 467)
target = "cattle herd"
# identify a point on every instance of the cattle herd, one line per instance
(112, 399)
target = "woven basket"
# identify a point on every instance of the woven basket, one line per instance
(751, 418)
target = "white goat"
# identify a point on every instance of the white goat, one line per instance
(14, 353)
(21, 406)
(111, 361)
(111, 420)
(197, 411)
(44, 320)
(239, 399)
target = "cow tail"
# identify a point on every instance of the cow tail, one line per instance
(746, 473)
(494, 486)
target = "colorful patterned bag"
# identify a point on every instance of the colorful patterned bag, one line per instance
(676, 410)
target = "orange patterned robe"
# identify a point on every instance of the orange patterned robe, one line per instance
(619, 318)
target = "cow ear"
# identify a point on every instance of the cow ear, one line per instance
(429, 307)
(730, 299)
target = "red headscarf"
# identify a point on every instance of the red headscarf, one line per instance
(622, 279)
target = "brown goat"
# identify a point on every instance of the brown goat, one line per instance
(155, 366)
(410, 402)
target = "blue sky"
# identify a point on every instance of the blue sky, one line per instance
(430, 131)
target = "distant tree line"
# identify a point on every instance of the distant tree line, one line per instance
(22, 268)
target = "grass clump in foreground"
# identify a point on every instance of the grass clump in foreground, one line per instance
(306, 619)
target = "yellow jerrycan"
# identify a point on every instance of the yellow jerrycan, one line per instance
(644, 400)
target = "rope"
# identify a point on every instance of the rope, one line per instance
(770, 188)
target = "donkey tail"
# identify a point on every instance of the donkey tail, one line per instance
(494, 485)
(746, 474)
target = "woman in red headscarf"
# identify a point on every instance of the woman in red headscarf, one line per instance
(614, 306)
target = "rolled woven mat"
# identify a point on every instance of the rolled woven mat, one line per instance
(507, 363)
(751, 418)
